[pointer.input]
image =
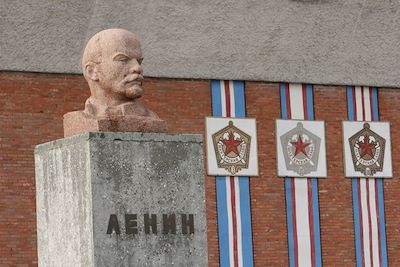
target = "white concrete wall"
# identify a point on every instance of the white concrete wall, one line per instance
(316, 41)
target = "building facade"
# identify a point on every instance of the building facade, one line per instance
(333, 50)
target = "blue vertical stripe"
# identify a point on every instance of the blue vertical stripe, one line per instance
(317, 236)
(240, 105)
(282, 89)
(350, 100)
(310, 101)
(382, 227)
(375, 115)
(216, 98)
(223, 229)
(247, 242)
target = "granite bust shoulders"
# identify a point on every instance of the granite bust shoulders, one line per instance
(111, 65)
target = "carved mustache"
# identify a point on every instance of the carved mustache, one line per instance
(134, 78)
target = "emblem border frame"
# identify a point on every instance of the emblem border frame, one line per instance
(248, 136)
(254, 139)
(323, 144)
(375, 176)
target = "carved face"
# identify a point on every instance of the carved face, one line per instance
(120, 71)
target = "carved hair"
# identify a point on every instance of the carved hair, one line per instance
(92, 52)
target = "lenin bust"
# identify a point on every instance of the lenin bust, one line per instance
(111, 65)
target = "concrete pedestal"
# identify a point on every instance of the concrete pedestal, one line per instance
(121, 199)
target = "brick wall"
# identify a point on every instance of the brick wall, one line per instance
(31, 109)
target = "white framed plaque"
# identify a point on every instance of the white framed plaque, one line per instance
(231, 146)
(300, 147)
(367, 149)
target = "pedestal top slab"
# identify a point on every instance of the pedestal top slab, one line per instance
(121, 136)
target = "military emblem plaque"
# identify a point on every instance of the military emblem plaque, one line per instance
(301, 148)
(231, 147)
(367, 149)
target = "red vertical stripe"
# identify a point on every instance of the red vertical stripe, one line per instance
(363, 103)
(311, 221)
(227, 99)
(370, 224)
(378, 220)
(234, 223)
(304, 90)
(361, 222)
(289, 110)
(296, 248)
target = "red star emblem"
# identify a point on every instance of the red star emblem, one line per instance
(231, 144)
(300, 146)
(366, 147)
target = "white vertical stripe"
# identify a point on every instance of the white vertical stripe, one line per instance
(374, 222)
(367, 104)
(296, 101)
(365, 223)
(223, 99)
(302, 222)
(238, 222)
(358, 103)
(230, 226)
(232, 99)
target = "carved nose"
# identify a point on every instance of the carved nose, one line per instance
(136, 68)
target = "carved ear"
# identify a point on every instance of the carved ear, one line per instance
(91, 71)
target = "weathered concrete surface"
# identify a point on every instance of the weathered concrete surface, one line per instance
(125, 173)
(63, 203)
(316, 41)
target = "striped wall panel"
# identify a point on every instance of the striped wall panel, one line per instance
(302, 207)
(368, 201)
(233, 193)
